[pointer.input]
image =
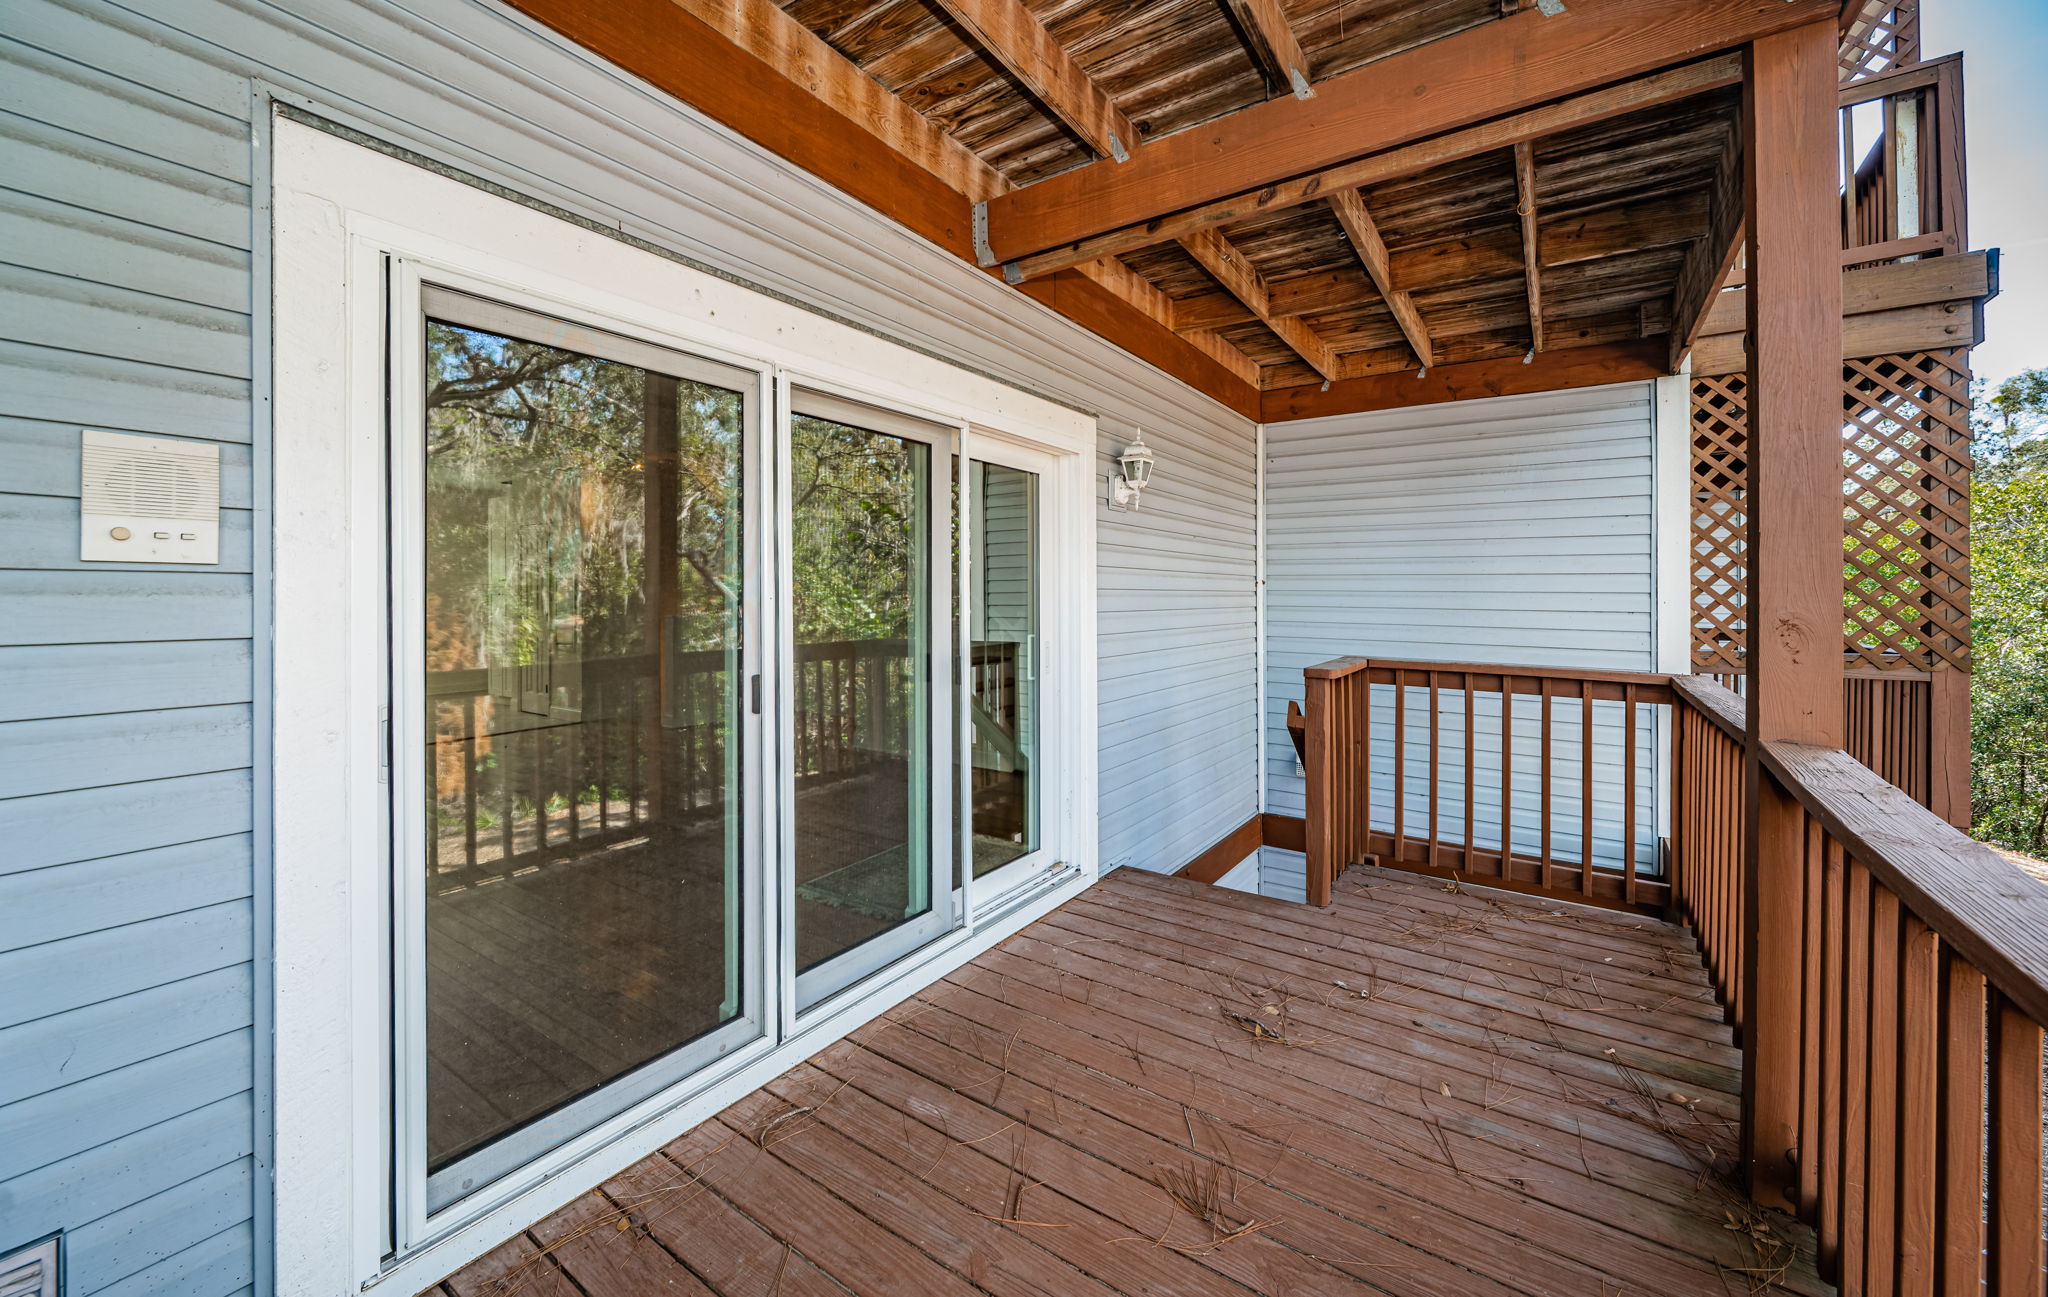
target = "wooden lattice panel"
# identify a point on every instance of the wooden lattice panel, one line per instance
(1905, 513)
(1884, 35)
(1720, 522)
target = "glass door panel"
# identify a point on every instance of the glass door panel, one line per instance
(867, 712)
(1002, 681)
(581, 677)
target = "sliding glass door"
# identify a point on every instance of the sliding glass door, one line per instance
(573, 649)
(869, 685)
(681, 747)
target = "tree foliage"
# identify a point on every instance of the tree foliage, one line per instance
(2009, 621)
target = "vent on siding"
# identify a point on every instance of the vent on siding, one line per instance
(148, 499)
(31, 1272)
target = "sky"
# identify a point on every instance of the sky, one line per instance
(2006, 90)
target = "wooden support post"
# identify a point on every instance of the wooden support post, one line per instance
(1319, 763)
(1795, 550)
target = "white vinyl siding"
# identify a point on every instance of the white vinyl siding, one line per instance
(1511, 530)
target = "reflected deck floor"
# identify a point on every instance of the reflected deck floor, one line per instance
(1171, 1088)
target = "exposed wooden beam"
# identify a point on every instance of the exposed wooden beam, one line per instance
(1634, 227)
(1011, 35)
(1551, 371)
(1708, 262)
(734, 60)
(1599, 105)
(1900, 307)
(1532, 248)
(1481, 73)
(1270, 41)
(1372, 251)
(1234, 272)
(1140, 292)
(1108, 314)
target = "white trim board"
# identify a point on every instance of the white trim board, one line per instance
(339, 211)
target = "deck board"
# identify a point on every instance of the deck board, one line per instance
(1508, 1095)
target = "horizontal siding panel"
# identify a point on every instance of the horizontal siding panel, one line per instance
(101, 606)
(54, 310)
(131, 47)
(42, 457)
(72, 1120)
(41, 532)
(58, 828)
(224, 1263)
(117, 181)
(53, 756)
(70, 900)
(66, 240)
(69, 1047)
(122, 395)
(82, 98)
(95, 679)
(131, 1169)
(157, 1228)
(60, 975)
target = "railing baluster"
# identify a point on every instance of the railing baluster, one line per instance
(1918, 1046)
(1628, 793)
(1364, 687)
(1812, 856)
(1959, 1206)
(1856, 1079)
(1471, 861)
(1828, 1171)
(1880, 1238)
(2015, 1183)
(1507, 775)
(1543, 773)
(1586, 787)
(1400, 765)
(1435, 751)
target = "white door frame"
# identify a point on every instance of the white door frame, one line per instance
(341, 212)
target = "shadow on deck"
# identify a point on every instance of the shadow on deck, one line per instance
(1170, 1088)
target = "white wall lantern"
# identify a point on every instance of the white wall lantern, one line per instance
(1137, 465)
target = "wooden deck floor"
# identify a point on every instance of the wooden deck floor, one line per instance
(1167, 1088)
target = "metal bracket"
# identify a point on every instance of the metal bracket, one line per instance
(1302, 89)
(1012, 273)
(984, 256)
(1117, 149)
(1550, 8)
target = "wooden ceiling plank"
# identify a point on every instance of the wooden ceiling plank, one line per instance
(1237, 274)
(1372, 251)
(1011, 35)
(1269, 39)
(1532, 251)
(1376, 168)
(1484, 72)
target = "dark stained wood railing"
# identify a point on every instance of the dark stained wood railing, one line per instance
(1919, 1075)
(1895, 1086)
(1906, 197)
(1706, 828)
(1461, 752)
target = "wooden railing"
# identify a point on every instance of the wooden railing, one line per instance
(1529, 778)
(1707, 831)
(1896, 1057)
(1888, 975)
(1904, 195)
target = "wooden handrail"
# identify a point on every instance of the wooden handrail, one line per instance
(1718, 703)
(1982, 905)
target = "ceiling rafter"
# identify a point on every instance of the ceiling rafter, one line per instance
(1365, 238)
(1232, 269)
(1480, 73)
(1713, 255)
(1140, 292)
(1532, 250)
(1595, 106)
(1270, 41)
(1011, 35)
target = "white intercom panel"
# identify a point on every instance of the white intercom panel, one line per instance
(148, 499)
